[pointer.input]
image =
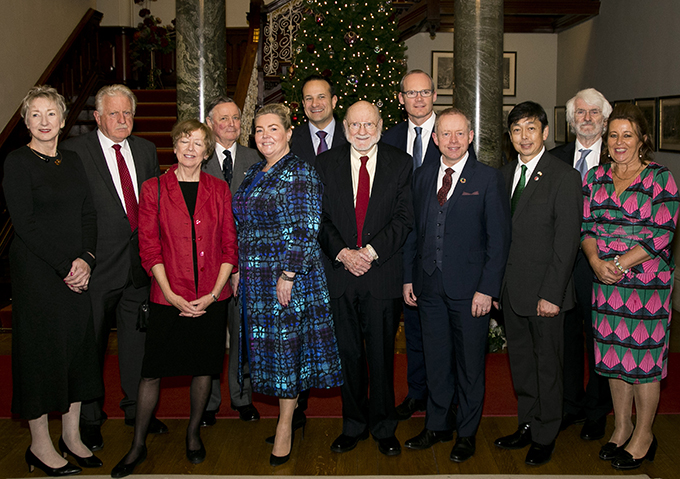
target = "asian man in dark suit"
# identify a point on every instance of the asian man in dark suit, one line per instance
(587, 114)
(230, 162)
(546, 208)
(115, 161)
(454, 261)
(321, 131)
(414, 136)
(367, 214)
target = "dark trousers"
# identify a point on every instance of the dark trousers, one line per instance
(535, 349)
(455, 353)
(366, 328)
(596, 399)
(119, 308)
(415, 358)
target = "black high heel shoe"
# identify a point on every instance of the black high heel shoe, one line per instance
(278, 460)
(123, 470)
(91, 461)
(196, 456)
(625, 460)
(611, 451)
(299, 421)
(66, 470)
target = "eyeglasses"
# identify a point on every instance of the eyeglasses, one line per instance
(415, 93)
(368, 126)
(594, 112)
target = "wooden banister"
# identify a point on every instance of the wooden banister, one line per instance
(250, 56)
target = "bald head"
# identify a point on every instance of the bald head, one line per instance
(363, 125)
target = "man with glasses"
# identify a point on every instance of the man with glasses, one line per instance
(367, 214)
(321, 132)
(587, 114)
(414, 136)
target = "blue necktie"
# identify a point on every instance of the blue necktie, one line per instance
(581, 164)
(323, 146)
(418, 148)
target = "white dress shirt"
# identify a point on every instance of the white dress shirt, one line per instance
(219, 148)
(316, 141)
(531, 166)
(457, 170)
(426, 134)
(593, 158)
(112, 163)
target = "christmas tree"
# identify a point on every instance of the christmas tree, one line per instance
(355, 45)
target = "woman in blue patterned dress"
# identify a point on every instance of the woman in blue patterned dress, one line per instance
(288, 328)
(630, 215)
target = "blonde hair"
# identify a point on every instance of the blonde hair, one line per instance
(47, 92)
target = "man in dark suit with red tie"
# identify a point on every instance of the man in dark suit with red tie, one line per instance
(367, 214)
(414, 136)
(454, 261)
(321, 132)
(587, 114)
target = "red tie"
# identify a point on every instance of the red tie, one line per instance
(446, 186)
(131, 205)
(362, 198)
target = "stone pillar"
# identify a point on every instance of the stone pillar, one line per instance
(477, 60)
(201, 55)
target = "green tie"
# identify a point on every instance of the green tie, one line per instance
(518, 190)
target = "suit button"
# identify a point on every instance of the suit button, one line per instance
(199, 238)
(198, 222)
(202, 269)
(201, 254)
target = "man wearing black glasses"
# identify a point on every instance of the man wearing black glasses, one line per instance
(414, 136)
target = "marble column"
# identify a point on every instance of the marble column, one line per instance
(477, 60)
(201, 55)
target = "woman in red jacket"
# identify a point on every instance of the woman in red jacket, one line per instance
(187, 242)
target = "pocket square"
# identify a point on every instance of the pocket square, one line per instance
(474, 193)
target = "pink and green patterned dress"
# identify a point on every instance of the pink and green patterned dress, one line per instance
(631, 319)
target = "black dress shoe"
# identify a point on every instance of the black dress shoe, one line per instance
(611, 451)
(247, 413)
(90, 461)
(517, 440)
(279, 460)
(195, 456)
(408, 406)
(91, 437)
(156, 426)
(345, 443)
(427, 439)
(208, 418)
(463, 449)
(569, 419)
(594, 430)
(539, 453)
(66, 470)
(625, 459)
(123, 470)
(299, 421)
(389, 446)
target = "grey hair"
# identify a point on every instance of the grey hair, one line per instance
(115, 90)
(218, 101)
(592, 97)
(43, 91)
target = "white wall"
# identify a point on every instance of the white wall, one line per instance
(536, 65)
(31, 34)
(630, 50)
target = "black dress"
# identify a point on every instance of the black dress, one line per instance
(54, 359)
(180, 346)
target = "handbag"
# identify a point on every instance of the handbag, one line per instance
(144, 308)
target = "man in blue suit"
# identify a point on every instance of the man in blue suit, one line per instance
(454, 264)
(414, 137)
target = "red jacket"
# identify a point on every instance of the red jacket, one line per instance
(215, 235)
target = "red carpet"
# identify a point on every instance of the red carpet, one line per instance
(174, 401)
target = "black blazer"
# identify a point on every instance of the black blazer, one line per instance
(389, 219)
(398, 136)
(565, 152)
(301, 141)
(117, 247)
(245, 158)
(477, 234)
(546, 231)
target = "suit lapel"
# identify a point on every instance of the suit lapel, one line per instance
(307, 144)
(136, 158)
(97, 155)
(174, 191)
(532, 184)
(466, 175)
(205, 191)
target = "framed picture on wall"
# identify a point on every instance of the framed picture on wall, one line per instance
(509, 73)
(442, 72)
(649, 109)
(560, 125)
(669, 123)
(506, 111)
(438, 107)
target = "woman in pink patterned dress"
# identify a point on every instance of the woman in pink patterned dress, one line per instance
(630, 214)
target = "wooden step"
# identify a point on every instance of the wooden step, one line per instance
(166, 157)
(144, 96)
(161, 139)
(154, 123)
(156, 109)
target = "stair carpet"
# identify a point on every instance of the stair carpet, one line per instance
(155, 116)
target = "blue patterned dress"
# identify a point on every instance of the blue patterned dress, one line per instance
(278, 214)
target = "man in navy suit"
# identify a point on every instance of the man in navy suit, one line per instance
(414, 136)
(546, 205)
(454, 262)
(321, 132)
(119, 284)
(367, 214)
(587, 114)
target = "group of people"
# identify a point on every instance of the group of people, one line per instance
(309, 251)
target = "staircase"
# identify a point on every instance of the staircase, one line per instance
(156, 115)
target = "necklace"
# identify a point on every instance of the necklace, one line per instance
(630, 177)
(46, 159)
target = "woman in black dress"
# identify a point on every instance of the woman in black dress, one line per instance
(187, 242)
(54, 361)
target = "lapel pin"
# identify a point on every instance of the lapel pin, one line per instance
(463, 180)
(538, 176)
